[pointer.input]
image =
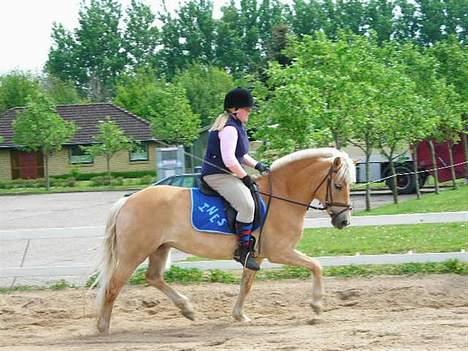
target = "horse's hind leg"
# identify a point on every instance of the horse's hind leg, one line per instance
(111, 291)
(155, 277)
(248, 277)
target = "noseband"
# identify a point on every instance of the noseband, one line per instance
(329, 195)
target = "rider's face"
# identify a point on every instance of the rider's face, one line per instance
(243, 114)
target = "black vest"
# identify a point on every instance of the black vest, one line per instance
(213, 150)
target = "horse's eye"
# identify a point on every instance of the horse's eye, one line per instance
(338, 186)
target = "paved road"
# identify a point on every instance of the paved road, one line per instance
(73, 225)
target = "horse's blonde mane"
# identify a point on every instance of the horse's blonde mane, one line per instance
(347, 172)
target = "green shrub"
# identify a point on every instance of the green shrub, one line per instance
(117, 181)
(70, 182)
(61, 285)
(183, 275)
(219, 276)
(146, 180)
(100, 181)
(25, 183)
(89, 176)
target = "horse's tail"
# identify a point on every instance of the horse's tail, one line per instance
(109, 259)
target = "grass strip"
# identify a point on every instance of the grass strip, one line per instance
(196, 276)
(440, 237)
(447, 201)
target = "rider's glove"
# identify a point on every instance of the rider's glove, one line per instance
(248, 181)
(262, 168)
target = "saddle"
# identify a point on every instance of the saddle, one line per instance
(230, 212)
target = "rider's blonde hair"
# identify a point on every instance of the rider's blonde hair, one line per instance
(221, 120)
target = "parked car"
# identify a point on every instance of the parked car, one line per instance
(186, 180)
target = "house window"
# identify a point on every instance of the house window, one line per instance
(139, 152)
(78, 156)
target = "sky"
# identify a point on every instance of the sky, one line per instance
(26, 27)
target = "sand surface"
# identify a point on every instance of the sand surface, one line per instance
(382, 313)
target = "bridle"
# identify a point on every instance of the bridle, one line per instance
(328, 200)
(328, 197)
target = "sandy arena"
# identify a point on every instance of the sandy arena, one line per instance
(384, 313)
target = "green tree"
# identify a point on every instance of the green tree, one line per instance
(379, 19)
(100, 43)
(15, 87)
(172, 120)
(401, 116)
(287, 119)
(59, 91)
(110, 140)
(228, 42)
(141, 36)
(187, 37)
(63, 61)
(432, 20)
(205, 88)
(406, 25)
(164, 104)
(92, 57)
(306, 17)
(277, 44)
(452, 64)
(448, 108)
(40, 128)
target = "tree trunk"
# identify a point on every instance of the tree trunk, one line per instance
(394, 176)
(465, 153)
(109, 177)
(434, 166)
(45, 156)
(337, 141)
(452, 167)
(414, 151)
(368, 193)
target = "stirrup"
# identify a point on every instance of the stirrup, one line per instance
(246, 258)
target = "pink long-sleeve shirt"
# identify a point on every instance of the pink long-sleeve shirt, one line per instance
(228, 142)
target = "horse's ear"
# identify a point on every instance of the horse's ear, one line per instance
(337, 163)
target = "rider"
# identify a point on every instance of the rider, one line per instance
(227, 150)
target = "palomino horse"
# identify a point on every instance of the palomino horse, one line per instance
(156, 219)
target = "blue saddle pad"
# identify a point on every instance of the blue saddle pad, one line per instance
(208, 213)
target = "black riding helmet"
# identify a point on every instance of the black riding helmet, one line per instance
(237, 98)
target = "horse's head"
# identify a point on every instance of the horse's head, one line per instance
(335, 192)
(325, 174)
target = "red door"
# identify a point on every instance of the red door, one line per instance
(27, 165)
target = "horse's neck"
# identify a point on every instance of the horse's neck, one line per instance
(295, 182)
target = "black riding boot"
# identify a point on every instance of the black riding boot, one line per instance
(245, 252)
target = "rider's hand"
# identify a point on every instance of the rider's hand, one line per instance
(248, 181)
(262, 168)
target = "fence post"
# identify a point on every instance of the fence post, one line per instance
(26, 249)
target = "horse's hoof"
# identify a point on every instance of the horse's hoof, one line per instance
(188, 314)
(242, 318)
(103, 328)
(316, 307)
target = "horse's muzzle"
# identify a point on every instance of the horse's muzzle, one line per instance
(341, 220)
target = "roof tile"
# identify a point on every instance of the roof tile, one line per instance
(86, 118)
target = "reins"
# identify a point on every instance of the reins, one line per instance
(328, 200)
(329, 197)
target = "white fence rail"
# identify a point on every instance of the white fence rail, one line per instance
(95, 232)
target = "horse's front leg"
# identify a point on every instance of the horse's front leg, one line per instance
(248, 277)
(296, 258)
